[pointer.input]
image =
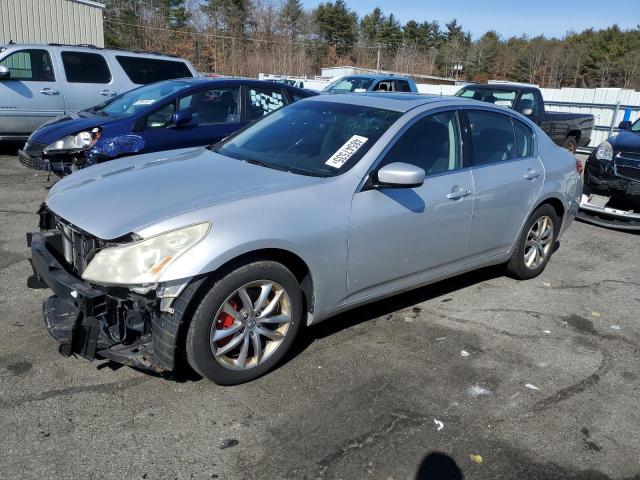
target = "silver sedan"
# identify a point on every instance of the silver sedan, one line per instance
(221, 255)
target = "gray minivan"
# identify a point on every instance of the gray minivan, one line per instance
(41, 82)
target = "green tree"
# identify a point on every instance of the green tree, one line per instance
(372, 26)
(337, 25)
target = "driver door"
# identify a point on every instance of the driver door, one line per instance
(402, 236)
(32, 95)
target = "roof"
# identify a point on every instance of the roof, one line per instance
(399, 102)
(377, 76)
(87, 47)
(499, 86)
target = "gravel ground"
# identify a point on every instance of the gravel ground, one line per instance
(481, 377)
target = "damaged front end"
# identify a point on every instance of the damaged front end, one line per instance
(136, 328)
(61, 161)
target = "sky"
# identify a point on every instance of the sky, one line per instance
(553, 18)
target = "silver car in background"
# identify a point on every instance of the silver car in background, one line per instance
(221, 254)
(41, 82)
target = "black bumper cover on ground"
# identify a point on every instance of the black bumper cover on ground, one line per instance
(71, 315)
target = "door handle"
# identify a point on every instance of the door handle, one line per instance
(108, 93)
(457, 194)
(531, 175)
(48, 91)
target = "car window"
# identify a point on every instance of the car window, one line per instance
(263, 101)
(82, 67)
(528, 100)
(493, 138)
(213, 105)
(34, 65)
(140, 98)
(143, 70)
(384, 86)
(524, 138)
(501, 97)
(431, 143)
(403, 86)
(312, 138)
(162, 117)
(349, 84)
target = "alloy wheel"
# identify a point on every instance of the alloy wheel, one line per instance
(538, 243)
(250, 325)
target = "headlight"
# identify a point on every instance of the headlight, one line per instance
(77, 142)
(141, 263)
(604, 151)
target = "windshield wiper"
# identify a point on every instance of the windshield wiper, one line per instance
(255, 161)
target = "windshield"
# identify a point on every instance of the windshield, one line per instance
(130, 102)
(349, 84)
(311, 138)
(498, 96)
(636, 126)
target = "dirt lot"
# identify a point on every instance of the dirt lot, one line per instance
(364, 394)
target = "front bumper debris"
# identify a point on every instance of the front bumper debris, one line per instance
(84, 320)
(596, 209)
(60, 165)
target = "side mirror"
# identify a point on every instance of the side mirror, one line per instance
(4, 73)
(400, 175)
(527, 112)
(182, 117)
(625, 125)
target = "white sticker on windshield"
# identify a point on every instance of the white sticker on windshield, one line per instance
(144, 102)
(346, 151)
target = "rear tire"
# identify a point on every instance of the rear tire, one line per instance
(571, 144)
(535, 244)
(258, 331)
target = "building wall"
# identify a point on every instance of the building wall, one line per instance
(51, 21)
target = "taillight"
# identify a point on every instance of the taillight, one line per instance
(578, 167)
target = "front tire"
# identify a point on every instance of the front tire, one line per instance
(245, 324)
(535, 244)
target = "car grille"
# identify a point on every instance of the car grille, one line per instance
(630, 173)
(34, 148)
(78, 247)
(634, 157)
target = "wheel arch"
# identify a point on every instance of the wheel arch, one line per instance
(557, 205)
(174, 330)
(575, 134)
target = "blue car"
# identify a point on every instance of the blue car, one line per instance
(371, 83)
(162, 116)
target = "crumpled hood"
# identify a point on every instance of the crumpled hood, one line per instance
(65, 125)
(114, 198)
(626, 141)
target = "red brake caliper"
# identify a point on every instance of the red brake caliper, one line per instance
(225, 321)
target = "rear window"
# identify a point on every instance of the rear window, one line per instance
(82, 67)
(142, 70)
(501, 97)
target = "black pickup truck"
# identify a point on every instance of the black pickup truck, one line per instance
(569, 130)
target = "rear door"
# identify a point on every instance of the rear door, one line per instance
(88, 79)
(216, 114)
(508, 178)
(32, 94)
